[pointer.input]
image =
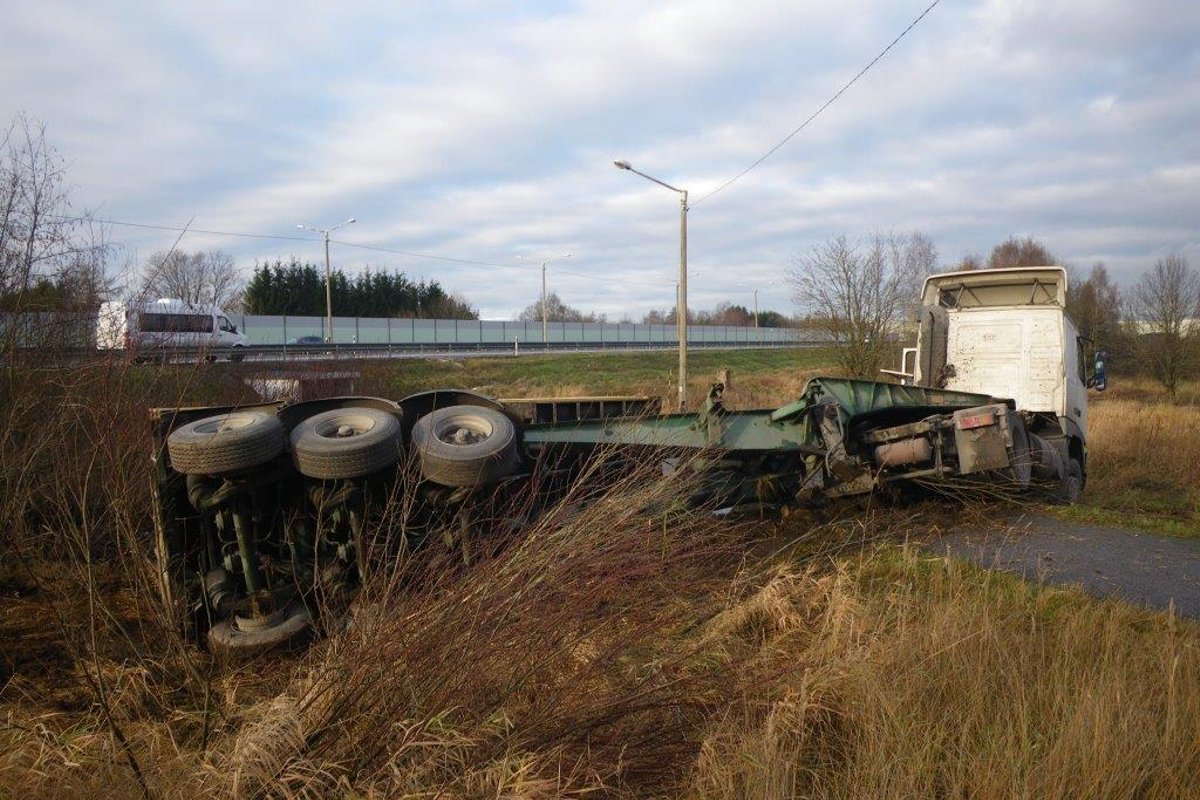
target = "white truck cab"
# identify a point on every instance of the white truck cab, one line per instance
(1006, 333)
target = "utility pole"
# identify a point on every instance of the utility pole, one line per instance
(545, 316)
(683, 312)
(328, 292)
(328, 295)
(757, 334)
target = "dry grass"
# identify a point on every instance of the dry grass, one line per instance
(910, 676)
(556, 668)
(1144, 464)
(606, 652)
(558, 665)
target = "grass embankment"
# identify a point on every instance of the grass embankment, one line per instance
(604, 657)
(761, 377)
(1143, 461)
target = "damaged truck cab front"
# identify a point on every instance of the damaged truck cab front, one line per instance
(1006, 333)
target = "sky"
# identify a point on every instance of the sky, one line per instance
(474, 140)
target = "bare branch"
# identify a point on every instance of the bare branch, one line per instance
(859, 293)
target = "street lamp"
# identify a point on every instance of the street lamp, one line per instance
(545, 337)
(682, 315)
(328, 296)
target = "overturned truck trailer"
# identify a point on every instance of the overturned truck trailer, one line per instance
(263, 511)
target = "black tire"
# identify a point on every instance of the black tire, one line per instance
(225, 443)
(237, 355)
(466, 445)
(1071, 484)
(346, 443)
(238, 638)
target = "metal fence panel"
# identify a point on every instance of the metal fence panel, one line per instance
(78, 330)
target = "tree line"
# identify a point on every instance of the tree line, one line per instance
(296, 288)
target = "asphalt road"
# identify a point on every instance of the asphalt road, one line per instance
(1142, 568)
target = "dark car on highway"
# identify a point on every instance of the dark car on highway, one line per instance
(306, 340)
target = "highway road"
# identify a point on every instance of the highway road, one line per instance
(293, 354)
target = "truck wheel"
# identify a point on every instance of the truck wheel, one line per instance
(245, 637)
(237, 355)
(466, 446)
(1071, 484)
(226, 443)
(346, 443)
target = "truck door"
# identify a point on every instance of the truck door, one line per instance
(1075, 407)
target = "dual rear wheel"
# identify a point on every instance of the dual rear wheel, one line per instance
(457, 446)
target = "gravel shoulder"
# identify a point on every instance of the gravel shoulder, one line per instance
(1143, 568)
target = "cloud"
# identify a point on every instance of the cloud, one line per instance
(481, 131)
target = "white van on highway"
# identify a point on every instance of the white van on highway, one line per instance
(165, 324)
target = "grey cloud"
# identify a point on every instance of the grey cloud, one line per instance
(477, 131)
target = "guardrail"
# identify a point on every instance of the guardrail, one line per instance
(58, 357)
(280, 352)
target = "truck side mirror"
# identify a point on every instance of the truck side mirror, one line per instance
(1099, 380)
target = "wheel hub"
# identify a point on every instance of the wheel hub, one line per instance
(465, 436)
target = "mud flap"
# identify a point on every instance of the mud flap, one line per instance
(981, 438)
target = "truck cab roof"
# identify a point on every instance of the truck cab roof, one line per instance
(991, 288)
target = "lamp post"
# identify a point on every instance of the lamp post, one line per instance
(682, 311)
(328, 294)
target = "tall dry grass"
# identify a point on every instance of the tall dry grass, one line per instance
(911, 676)
(1144, 457)
(559, 664)
(557, 667)
(84, 640)
(617, 648)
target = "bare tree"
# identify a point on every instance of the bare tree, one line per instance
(44, 245)
(53, 261)
(200, 278)
(1095, 305)
(861, 292)
(1165, 307)
(454, 305)
(556, 311)
(727, 313)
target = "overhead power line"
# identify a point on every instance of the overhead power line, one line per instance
(177, 229)
(824, 106)
(407, 253)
